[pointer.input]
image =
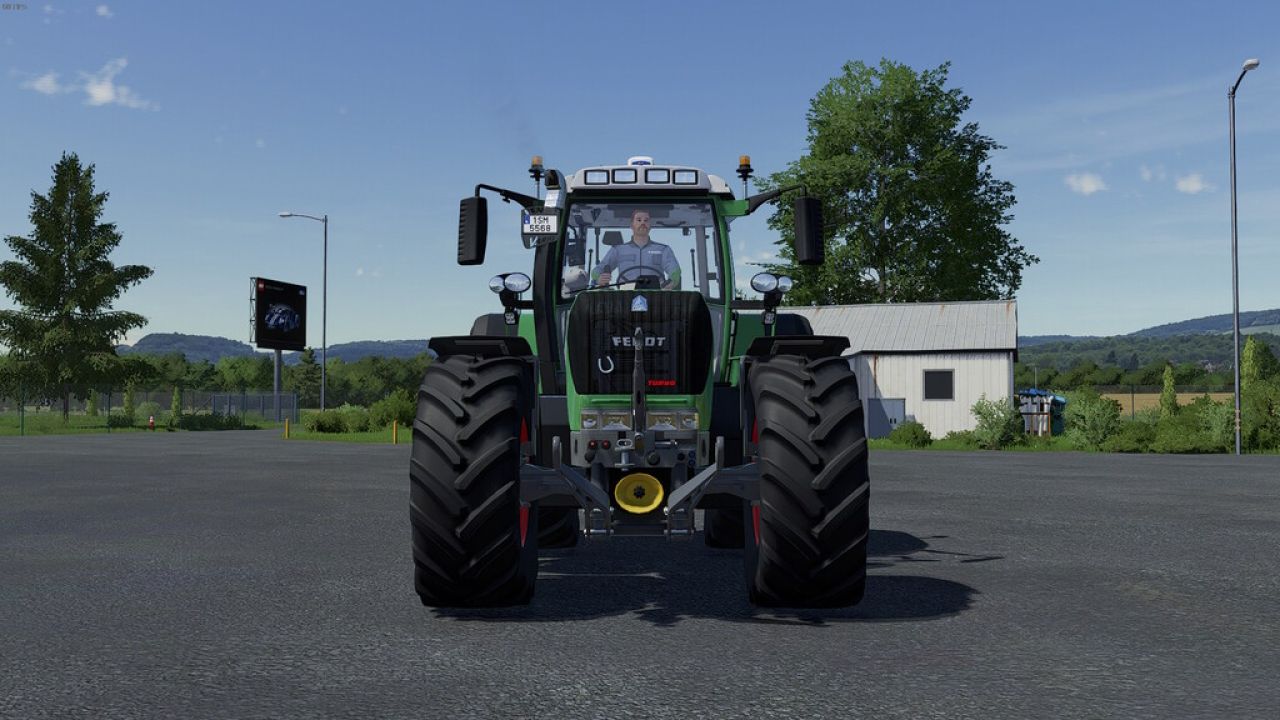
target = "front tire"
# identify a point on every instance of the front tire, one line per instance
(722, 527)
(806, 541)
(469, 546)
(558, 527)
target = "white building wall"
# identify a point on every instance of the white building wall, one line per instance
(902, 376)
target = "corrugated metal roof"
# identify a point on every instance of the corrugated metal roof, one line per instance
(918, 327)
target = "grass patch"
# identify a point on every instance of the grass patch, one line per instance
(50, 423)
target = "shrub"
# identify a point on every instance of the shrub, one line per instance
(1132, 437)
(1216, 422)
(1000, 425)
(119, 418)
(91, 404)
(148, 410)
(1091, 419)
(399, 406)
(961, 438)
(911, 434)
(1260, 416)
(209, 421)
(1181, 433)
(326, 421)
(354, 417)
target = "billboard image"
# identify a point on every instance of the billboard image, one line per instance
(280, 315)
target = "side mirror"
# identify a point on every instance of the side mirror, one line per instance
(473, 230)
(808, 217)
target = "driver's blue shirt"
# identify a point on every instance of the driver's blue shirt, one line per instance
(622, 261)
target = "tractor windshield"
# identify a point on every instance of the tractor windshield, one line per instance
(671, 246)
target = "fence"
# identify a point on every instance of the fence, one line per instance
(261, 405)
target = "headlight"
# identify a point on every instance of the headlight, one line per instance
(687, 420)
(518, 282)
(662, 421)
(617, 421)
(764, 282)
(512, 282)
(590, 419)
(784, 284)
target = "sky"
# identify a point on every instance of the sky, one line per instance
(206, 120)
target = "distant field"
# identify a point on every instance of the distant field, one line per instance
(1142, 401)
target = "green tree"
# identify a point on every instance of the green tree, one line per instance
(130, 408)
(911, 210)
(175, 406)
(1257, 363)
(65, 332)
(1168, 394)
(304, 379)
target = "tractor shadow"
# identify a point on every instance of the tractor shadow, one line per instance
(664, 582)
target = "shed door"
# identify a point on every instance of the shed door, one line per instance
(884, 414)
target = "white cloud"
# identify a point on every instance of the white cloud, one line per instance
(1085, 183)
(47, 84)
(99, 88)
(260, 143)
(104, 11)
(1192, 184)
(359, 272)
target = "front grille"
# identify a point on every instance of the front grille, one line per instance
(677, 344)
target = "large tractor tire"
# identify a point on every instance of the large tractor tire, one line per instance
(806, 542)
(722, 527)
(473, 545)
(558, 527)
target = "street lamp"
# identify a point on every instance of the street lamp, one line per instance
(1249, 64)
(324, 298)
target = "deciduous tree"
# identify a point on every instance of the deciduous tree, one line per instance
(912, 210)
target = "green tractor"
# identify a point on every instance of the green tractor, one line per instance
(630, 388)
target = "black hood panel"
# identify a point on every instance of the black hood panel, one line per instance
(677, 347)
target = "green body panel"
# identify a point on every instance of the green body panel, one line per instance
(526, 331)
(749, 328)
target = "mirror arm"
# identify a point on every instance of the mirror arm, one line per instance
(527, 202)
(755, 201)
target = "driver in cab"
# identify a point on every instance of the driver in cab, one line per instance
(637, 258)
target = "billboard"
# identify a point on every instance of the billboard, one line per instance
(280, 315)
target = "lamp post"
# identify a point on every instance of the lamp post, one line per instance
(1235, 263)
(324, 299)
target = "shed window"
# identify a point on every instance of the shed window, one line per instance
(939, 385)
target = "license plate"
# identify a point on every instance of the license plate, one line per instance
(541, 224)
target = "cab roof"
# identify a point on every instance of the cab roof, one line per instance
(643, 177)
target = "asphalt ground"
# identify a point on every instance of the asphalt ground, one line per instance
(238, 575)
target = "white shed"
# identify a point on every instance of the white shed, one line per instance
(928, 362)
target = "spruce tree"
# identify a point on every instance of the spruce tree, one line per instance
(63, 335)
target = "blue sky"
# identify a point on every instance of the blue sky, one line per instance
(205, 120)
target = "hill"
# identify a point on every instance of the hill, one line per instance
(195, 347)
(1250, 322)
(206, 347)
(1132, 351)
